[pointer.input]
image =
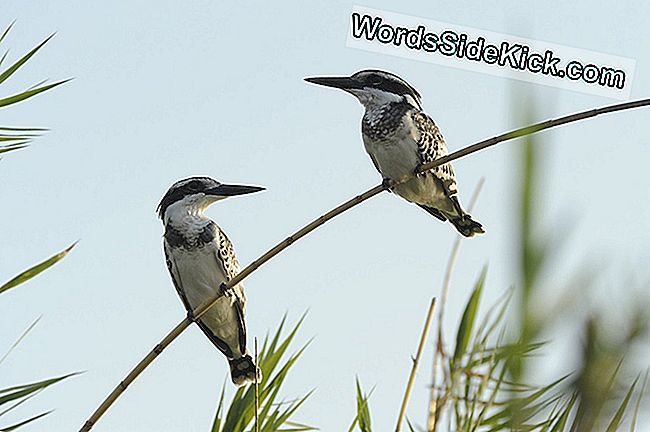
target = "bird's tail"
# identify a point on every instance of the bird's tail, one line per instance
(467, 226)
(243, 370)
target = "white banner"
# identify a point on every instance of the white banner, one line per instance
(491, 53)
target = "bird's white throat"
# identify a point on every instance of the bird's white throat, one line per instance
(374, 99)
(189, 212)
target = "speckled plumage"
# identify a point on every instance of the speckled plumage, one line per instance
(177, 238)
(227, 255)
(200, 258)
(208, 255)
(398, 136)
(432, 146)
(380, 123)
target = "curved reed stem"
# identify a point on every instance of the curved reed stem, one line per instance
(176, 331)
(257, 392)
(438, 348)
(414, 368)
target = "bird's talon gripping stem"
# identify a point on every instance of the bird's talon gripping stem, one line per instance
(418, 169)
(190, 316)
(223, 288)
(386, 183)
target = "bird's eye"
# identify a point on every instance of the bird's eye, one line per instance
(375, 81)
(195, 185)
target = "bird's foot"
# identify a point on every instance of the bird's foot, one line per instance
(386, 183)
(224, 290)
(418, 169)
(190, 316)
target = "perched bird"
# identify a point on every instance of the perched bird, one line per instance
(400, 137)
(200, 258)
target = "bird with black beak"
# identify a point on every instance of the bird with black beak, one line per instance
(399, 138)
(201, 260)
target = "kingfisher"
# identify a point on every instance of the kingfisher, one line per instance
(400, 137)
(201, 260)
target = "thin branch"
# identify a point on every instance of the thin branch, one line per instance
(416, 361)
(20, 339)
(257, 392)
(537, 127)
(176, 331)
(438, 349)
(198, 312)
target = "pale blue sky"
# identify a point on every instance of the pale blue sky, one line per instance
(164, 90)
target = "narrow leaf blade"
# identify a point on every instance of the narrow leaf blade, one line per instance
(24, 422)
(32, 272)
(469, 316)
(29, 93)
(14, 67)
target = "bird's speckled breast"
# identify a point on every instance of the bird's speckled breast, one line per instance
(192, 236)
(388, 138)
(382, 122)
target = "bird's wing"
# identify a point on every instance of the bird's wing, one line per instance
(176, 280)
(374, 161)
(226, 254)
(431, 146)
(227, 259)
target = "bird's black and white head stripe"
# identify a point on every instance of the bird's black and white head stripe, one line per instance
(184, 188)
(372, 81)
(386, 81)
(398, 136)
(199, 188)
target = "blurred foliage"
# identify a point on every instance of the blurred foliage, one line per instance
(477, 393)
(485, 385)
(12, 138)
(484, 382)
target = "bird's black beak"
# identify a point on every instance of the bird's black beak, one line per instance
(226, 190)
(343, 83)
